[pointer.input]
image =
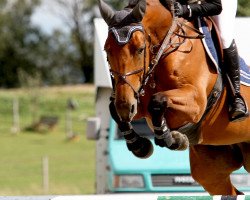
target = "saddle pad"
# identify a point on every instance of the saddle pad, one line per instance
(244, 73)
(213, 55)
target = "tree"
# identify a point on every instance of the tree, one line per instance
(26, 53)
(78, 15)
(16, 36)
(117, 5)
(62, 61)
(243, 8)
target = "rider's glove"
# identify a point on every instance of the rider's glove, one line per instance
(182, 10)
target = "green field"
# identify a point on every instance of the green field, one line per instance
(71, 161)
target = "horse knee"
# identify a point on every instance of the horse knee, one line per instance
(157, 107)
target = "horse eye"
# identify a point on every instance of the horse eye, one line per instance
(140, 50)
(107, 55)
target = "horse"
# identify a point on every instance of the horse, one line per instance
(161, 72)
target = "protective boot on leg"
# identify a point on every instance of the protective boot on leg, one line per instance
(238, 108)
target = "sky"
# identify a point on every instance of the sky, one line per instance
(46, 19)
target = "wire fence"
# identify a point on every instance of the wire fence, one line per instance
(42, 125)
(18, 115)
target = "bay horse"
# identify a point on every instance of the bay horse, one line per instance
(161, 72)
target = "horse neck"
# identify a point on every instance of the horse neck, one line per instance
(156, 21)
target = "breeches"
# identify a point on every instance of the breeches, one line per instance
(226, 21)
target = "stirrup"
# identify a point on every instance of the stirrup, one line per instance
(238, 115)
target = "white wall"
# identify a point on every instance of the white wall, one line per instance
(101, 68)
(242, 37)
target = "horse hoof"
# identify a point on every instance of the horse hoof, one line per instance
(181, 141)
(146, 149)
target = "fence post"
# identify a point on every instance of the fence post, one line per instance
(45, 166)
(71, 105)
(16, 122)
(69, 129)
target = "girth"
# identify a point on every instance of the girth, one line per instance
(191, 130)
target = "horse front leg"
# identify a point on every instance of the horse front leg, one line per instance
(141, 147)
(163, 136)
(174, 108)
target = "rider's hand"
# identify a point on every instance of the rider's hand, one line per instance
(181, 10)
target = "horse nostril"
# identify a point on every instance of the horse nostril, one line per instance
(132, 109)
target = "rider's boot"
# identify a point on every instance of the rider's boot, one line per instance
(238, 108)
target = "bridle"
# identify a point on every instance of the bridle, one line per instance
(147, 73)
(123, 76)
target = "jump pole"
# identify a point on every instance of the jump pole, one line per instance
(216, 197)
(131, 196)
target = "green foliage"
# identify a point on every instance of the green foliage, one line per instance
(27, 53)
(78, 16)
(243, 8)
(59, 63)
(71, 163)
(118, 5)
(17, 37)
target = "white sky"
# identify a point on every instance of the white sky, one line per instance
(44, 17)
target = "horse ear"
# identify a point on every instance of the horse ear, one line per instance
(139, 10)
(106, 11)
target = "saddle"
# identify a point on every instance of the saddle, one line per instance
(213, 46)
(211, 42)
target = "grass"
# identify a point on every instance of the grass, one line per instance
(71, 162)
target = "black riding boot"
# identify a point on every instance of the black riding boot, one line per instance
(238, 108)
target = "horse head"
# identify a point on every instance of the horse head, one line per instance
(127, 54)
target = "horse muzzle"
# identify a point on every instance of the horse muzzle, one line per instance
(126, 110)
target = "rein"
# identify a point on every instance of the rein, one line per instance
(167, 43)
(160, 53)
(164, 45)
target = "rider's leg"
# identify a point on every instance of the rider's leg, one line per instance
(225, 22)
(238, 109)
